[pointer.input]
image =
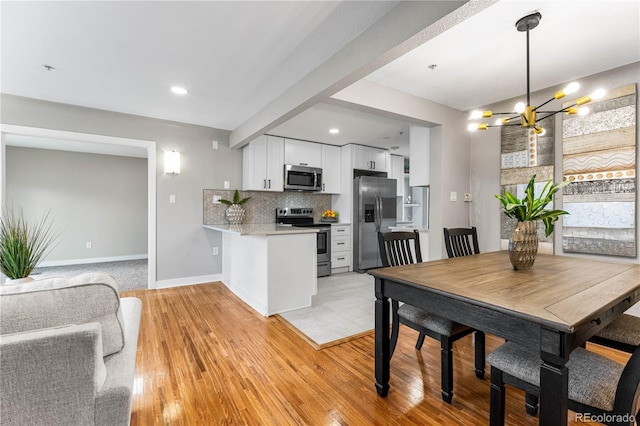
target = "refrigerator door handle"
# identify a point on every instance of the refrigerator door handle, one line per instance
(378, 212)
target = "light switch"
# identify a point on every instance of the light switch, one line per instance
(214, 144)
(454, 196)
(227, 184)
(172, 199)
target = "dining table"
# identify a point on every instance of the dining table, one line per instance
(553, 308)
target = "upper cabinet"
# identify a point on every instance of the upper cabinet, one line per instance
(397, 173)
(263, 164)
(331, 156)
(373, 159)
(302, 153)
(419, 146)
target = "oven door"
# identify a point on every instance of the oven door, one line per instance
(301, 178)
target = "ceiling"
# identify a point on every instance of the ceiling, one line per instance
(235, 57)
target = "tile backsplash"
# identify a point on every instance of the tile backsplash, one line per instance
(262, 205)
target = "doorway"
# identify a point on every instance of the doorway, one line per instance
(99, 144)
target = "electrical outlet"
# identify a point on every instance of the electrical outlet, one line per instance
(214, 144)
(216, 199)
(467, 197)
(215, 251)
(172, 199)
(88, 244)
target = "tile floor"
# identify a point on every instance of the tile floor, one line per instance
(343, 307)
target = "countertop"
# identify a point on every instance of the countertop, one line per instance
(259, 229)
(408, 228)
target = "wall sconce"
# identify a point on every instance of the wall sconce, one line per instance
(172, 162)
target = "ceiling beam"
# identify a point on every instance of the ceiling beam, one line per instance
(403, 28)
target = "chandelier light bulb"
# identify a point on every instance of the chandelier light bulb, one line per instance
(598, 94)
(472, 127)
(499, 121)
(475, 115)
(571, 88)
(519, 107)
(583, 111)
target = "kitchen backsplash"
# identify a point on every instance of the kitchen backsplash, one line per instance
(261, 207)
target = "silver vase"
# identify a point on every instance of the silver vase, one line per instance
(235, 214)
(523, 245)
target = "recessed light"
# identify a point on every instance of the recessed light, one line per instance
(179, 90)
(334, 131)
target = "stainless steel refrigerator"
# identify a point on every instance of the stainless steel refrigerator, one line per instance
(375, 210)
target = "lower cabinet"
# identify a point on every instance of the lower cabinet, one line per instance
(340, 248)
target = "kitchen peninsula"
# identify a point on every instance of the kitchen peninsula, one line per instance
(272, 268)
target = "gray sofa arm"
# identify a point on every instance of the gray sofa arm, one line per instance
(113, 400)
(51, 376)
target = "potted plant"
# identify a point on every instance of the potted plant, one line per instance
(523, 244)
(235, 211)
(23, 244)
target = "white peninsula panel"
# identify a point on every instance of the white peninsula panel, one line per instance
(273, 271)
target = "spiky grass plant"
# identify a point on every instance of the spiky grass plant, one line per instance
(23, 243)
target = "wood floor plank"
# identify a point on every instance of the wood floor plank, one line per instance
(206, 358)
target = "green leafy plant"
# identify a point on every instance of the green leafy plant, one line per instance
(532, 208)
(236, 199)
(23, 243)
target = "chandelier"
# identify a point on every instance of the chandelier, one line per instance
(529, 116)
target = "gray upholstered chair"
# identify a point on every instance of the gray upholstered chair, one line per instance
(402, 248)
(597, 385)
(622, 334)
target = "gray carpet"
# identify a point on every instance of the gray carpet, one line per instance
(129, 274)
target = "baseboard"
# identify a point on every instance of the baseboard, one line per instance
(92, 260)
(178, 282)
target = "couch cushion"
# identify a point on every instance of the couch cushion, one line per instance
(56, 302)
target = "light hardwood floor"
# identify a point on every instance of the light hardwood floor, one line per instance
(206, 358)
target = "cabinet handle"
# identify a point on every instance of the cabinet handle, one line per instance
(374, 165)
(341, 258)
(269, 183)
(340, 244)
(264, 184)
(304, 164)
(340, 230)
(323, 187)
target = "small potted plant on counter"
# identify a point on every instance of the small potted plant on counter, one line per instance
(329, 216)
(235, 211)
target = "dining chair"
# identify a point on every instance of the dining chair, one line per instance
(461, 241)
(622, 334)
(402, 248)
(597, 385)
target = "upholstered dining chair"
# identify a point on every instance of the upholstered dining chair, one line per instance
(461, 241)
(597, 385)
(622, 334)
(402, 248)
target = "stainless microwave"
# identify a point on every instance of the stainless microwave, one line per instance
(302, 178)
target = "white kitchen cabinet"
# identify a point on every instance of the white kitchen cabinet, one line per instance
(419, 145)
(263, 164)
(397, 173)
(373, 159)
(340, 248)
(330, 169)
(302, 153)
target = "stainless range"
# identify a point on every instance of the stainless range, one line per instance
(303, 217)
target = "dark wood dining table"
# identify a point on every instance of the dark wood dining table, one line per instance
(553, 308)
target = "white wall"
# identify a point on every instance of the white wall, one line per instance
(183, 246)
(485, 164)
(94, 198)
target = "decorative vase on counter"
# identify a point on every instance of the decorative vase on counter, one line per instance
(235, 214)
(523, 245)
